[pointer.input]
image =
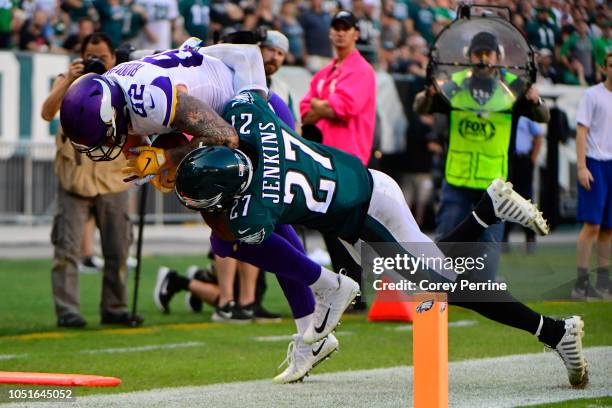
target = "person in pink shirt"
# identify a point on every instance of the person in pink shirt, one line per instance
(341, 103)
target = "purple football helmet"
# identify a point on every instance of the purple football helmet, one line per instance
(94, 117)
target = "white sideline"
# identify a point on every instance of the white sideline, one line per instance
(491, 382)
(143, 348)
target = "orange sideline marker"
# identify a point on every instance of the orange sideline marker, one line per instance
(430, 350)
(70, 380)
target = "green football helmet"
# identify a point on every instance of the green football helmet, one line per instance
(210, 177)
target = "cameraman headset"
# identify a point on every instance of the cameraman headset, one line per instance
(88, 188)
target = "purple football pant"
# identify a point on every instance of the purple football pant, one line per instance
(282, 254)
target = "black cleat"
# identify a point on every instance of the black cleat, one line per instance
(71, 320)
(122, 319)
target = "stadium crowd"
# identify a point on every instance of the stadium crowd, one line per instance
(572, 36)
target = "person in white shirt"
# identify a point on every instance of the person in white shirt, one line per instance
(594, 161)
(161, 17)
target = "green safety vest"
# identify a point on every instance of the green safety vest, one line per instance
(479, 136)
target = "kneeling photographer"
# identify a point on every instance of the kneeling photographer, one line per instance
(88, 189)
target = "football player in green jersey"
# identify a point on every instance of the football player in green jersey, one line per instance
(276, 177)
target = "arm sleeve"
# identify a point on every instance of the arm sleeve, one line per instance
(583, 114)
(535, 129)
(246, 62)
(352, 93)
(305, 102)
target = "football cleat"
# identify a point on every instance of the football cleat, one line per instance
(570, 351)
(511, 206)
(161, 294)
(586, 292)
(91, 264)
(330, 305)
(193, 302)
(302, 357)
(232, 313)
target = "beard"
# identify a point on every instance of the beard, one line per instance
(270, 68)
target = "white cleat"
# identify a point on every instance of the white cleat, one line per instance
(330, 305)
(161, 296)
(511, 206)
(570, 351)
(302, 357)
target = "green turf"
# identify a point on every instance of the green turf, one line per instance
(228, 352)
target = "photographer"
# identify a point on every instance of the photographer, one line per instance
(85, 189)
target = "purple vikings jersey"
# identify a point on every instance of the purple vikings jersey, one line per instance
(149, 85)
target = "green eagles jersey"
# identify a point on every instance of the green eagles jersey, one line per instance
(294, 181)
(196, 14)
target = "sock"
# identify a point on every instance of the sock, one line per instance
(552, 331)
(485, 211)
(502, 307)
(603, 279)
(327, 279)
(468, 231)
(299, 296)
(177, 282)
(583, 277)
(303, 323)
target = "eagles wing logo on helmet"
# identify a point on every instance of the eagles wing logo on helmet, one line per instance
(425, 306)
(203, 203)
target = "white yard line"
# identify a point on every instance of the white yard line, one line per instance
(11, 356)
(491, 382)
(144, 348)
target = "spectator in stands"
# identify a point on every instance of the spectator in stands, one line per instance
(34, 34)
(594, 162)
(577, 51)
(112, 14)
(161, 24)
(529, 136)
(341, 102)
(423, 16)
(367, 44)
(315, 22)
(6, 19)
(547, 71)
(134, 21)
(294, 32)
(541, 32)
(76, 10)
(390, 30)
(225, 14)
(196, 17)
(73, 42)
(412, 58)
(601, 47)
(87, 187)
(262, 16)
